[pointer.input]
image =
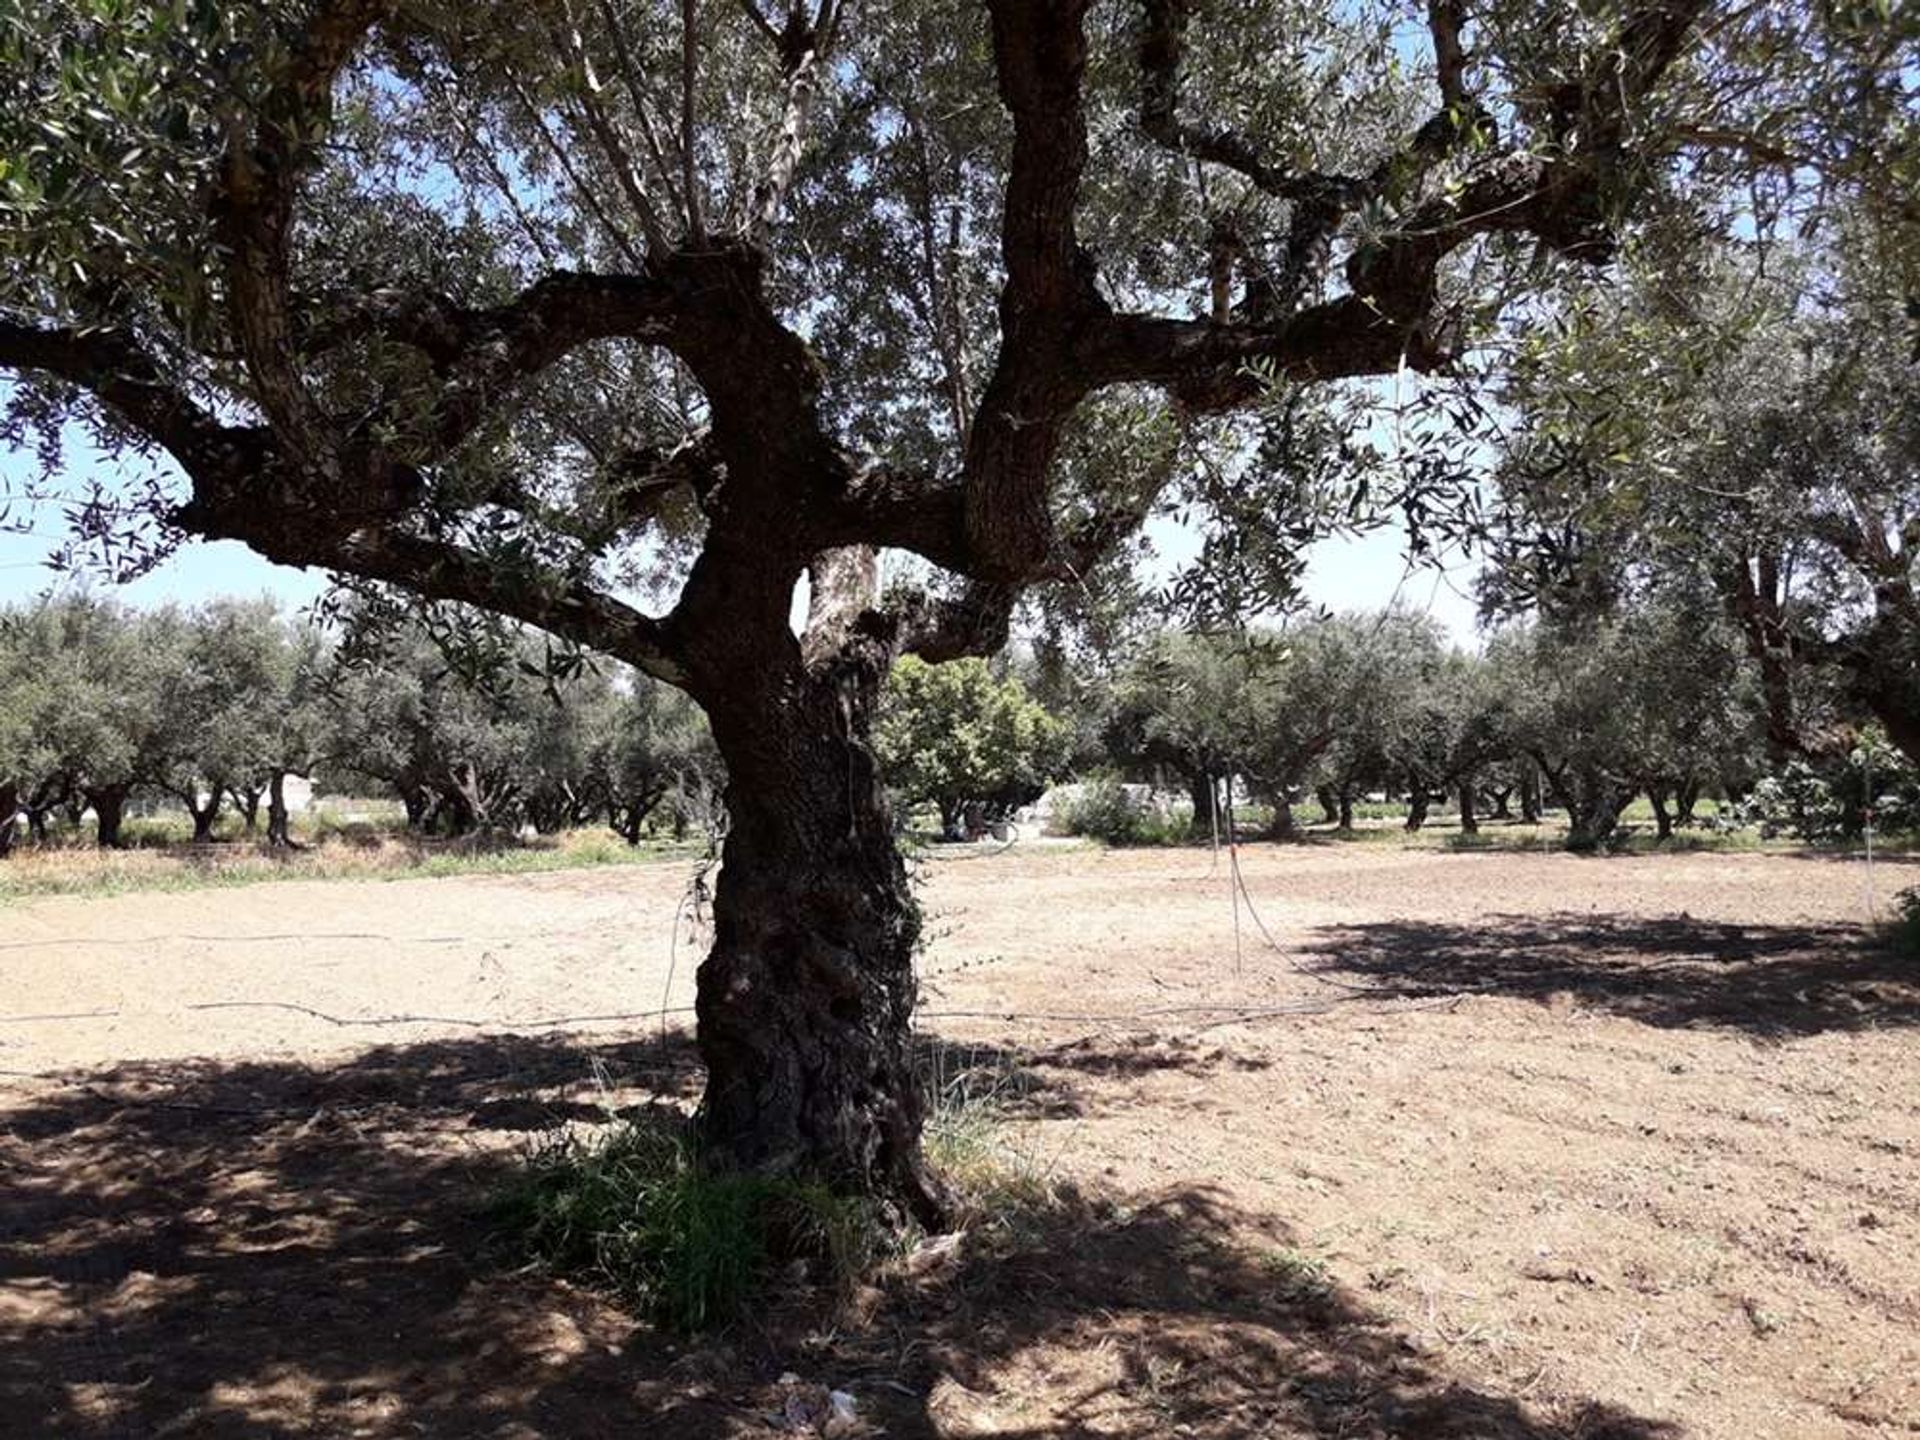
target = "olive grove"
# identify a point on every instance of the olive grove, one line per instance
(630, 321)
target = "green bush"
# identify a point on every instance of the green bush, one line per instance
(1103, 810)
(633, 1209)
(1828, 800)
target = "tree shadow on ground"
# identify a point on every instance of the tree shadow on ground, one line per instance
(1774, 981)
(274, 1250)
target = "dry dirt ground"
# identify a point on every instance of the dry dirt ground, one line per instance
(1485, 1145)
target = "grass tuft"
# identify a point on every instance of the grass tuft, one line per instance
(972, 1143)
(631, 1208)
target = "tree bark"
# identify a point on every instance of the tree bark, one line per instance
(1468, 824)
(109, 804)
(1593, 803)
(246, 799)
(9, 814)
(203, 815)
(1530, 796)
(1201, 787)
(1417, 803)
(1502, 809)
(1329, 801)
(1684, 800)
(805, 1001)
(1662, 817)
(1346, 810)
(1283, 827)
(278, 833)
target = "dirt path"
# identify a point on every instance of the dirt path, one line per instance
(1623, 1148)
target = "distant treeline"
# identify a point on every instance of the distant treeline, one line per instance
(489, 728)
(213, 707)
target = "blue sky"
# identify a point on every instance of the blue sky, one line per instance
(1358, 573)
(1347, 574)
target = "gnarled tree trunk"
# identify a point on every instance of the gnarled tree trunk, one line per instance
(1284, 827)
(204, 813)
(1468, 824)
(806, 999)
(1530, 796)
(1685, 799)
(804, 1002)
(1662, 817)
(246, 799)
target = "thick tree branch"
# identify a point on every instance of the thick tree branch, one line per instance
(252, 208)
(243, 491)
(1162, 54)
(1040, 55)
(974, 622)
(803, 48)
(1444, 19)
(559, 604)
(111, 366)
(1388, 318)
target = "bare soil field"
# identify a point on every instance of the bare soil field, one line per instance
(1511, 1146)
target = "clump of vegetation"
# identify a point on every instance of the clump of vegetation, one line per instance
(974, 745)
(1833, 797)
(969, 1144)
(1104, 810)
(632, 1208)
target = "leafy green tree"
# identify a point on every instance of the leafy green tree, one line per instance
(588, 358)
(657, 748)
(1189, 704)
(458, 748)
(1646, 701)
(86, 709)
(1762, 439)
(966, 741)
(220, 708)
(1390, 661)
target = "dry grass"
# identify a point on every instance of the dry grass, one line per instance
(369, 855)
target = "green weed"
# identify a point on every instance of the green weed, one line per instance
(633, 1209)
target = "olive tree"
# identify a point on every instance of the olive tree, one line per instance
(1763, 439)
(656, 748)
(1646, 700)
(220, 709)
(533, 307)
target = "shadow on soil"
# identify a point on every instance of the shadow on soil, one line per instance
(271, 1250)
(1774, 981)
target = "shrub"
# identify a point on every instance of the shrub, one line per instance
(1828, 800)
(1103, 810)
(633, 1208)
